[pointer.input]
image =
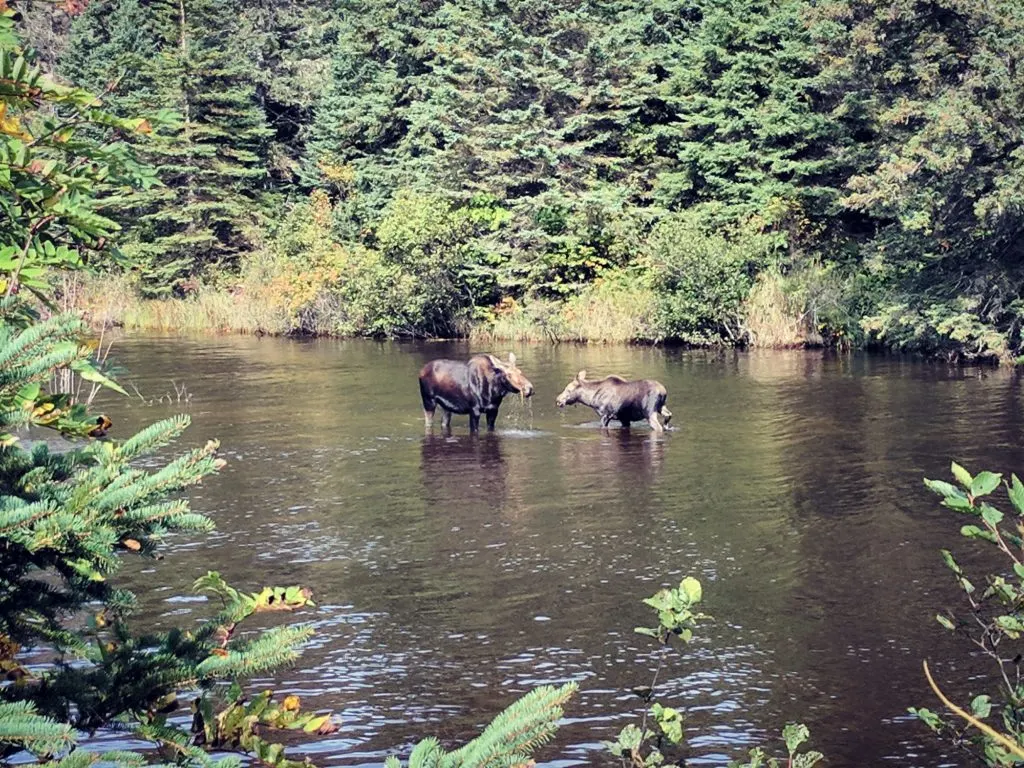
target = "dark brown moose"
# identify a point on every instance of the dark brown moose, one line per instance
(616, 398)
(474, 387)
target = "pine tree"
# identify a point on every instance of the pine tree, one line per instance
(938, 180)
(746, 132)
(181, 61)
(531, 105)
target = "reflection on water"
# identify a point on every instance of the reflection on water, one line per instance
(454, 573)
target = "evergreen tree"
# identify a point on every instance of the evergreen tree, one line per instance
(181, 61)
(747, 131)
(939, 176)
(69, 518)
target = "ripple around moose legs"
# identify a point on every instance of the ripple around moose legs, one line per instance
(455, 573)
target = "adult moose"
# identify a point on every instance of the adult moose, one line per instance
(616, 398)
(474, 387)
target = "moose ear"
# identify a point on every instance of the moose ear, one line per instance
(581, 375)
(512, 358)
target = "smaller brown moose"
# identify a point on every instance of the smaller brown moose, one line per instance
(616, 398)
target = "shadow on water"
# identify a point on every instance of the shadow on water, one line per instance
(467, 468)
(454, 573)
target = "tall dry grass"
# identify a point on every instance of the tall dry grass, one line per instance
(114, 300)
(613, 310)
(773, 317)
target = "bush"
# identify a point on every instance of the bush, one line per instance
(294, 275)
(808, 306)
(701, 280)
(616, 307)
(992, 621)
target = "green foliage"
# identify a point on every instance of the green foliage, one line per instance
(701, 281)
(181, 65)
(794, 734)
(939, 174)
(510, 739)
(67, 518)
(50, 169)
(746, 131)
(995, 619)
(677, 617)
(858, 166)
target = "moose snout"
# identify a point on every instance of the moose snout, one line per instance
(528, 390)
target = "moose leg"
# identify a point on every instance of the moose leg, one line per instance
(625, 423)
(446, 422)
(429, 404)
(474, 421)
(655, 424)
(606, 419)
(666, 414)
(492, 416)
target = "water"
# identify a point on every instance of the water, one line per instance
(453, 574)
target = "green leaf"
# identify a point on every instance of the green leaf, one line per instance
(943, 488)
(807, 759)
(981, 706)
(947, 557)
(27, 395)
(974, 532)
(670, 721)
(962, 475)
(944, 622)
(795, 734)
(86, 370)
(691, 588)
(985, 483)
(1011, 625)
(928, 717)
(991, 515)
(1016, 493)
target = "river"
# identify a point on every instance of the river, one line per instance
(454, 574)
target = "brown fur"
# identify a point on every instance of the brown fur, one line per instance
(475, 387)
(613, 397)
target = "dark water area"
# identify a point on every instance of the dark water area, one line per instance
(453, 574)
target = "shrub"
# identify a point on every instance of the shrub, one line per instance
(993, 622)
(701, 281)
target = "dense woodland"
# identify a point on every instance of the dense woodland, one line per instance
(714, 171)
(703, 175)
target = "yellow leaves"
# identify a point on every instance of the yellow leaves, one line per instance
(342, 175)
(144, 127)
(221, 652)
(321, 726)
(131, 544)
(10, 124)
(102, 425)
(291, 703)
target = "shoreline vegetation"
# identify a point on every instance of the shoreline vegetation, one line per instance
(610, 316)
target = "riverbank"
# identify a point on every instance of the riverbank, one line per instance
(608, 312)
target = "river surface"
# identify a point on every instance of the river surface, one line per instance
(453, 574)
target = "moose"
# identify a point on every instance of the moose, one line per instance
(475, 387)
(613, 397)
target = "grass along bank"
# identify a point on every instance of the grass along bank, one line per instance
(617, 310)
(430, 270)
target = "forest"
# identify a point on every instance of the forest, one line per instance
(717, 172)
(791, 174)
